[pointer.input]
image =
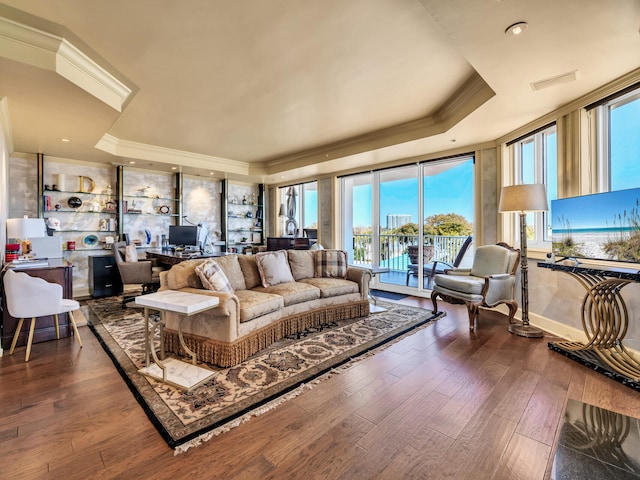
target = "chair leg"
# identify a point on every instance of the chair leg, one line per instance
(434, 296)
(15, 336)
(75, 328)
(513, 308)
(30, 341)
(473, 309)
(55, 318)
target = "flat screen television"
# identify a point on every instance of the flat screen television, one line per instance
(602, 226)
(184, 235)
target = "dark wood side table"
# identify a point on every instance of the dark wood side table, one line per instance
(58, 271)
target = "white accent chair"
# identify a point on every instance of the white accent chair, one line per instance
(488, 283)
(32, 297)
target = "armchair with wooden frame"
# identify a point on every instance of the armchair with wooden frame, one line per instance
(488, 283)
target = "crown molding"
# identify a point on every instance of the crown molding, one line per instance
(469, 97)
(41, 49)
(142, 151)
(5, 124)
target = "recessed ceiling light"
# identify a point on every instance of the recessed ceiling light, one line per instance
(174, 168)
(132, 162)
(65, 140)
(516, 28)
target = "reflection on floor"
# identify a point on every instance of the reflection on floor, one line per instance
(596, 444)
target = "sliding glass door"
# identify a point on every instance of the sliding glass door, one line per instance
(402, 218)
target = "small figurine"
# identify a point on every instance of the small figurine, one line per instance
(244, 199)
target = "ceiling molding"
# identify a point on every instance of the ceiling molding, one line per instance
(38, 48)
(5, 124)
(142, 151)
(470, 96)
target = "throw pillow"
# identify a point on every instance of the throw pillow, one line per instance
(130, 253)
(212, 277)
(274, 268)
(331, 263)
(302, 263)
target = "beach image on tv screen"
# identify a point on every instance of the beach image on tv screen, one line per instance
(601, 226)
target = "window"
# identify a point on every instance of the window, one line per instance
(300, 204)
(618, 122)
(535, 161)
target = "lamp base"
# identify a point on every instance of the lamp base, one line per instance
(525, 330)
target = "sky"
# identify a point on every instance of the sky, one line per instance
(449, 191)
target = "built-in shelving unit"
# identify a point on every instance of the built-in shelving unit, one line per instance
(243, 215)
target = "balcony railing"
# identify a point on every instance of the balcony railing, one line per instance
(393, 249)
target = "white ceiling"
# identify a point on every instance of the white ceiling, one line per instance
(286, 89)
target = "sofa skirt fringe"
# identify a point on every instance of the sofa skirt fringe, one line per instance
(225, 354)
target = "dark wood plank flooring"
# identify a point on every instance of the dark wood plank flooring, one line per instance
(442, 403)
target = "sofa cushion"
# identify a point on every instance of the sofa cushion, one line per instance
(332, 287)
(212, 277)
(250, 271)
(231, 268)
(461, 283)
(331, 263)
(183, 275)
(302, 263)
(274, 268)
(293, 292)
(254, 304)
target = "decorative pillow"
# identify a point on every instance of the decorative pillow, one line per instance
(302, 263)
(212, 277)
(274, 268)
(130, 253)
(250, 271)
(331, 263)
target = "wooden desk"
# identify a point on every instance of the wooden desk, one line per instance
(169, 259)
(58, 271)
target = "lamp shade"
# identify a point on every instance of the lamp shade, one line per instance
(283, 211)
(530, 197)
(24, 228)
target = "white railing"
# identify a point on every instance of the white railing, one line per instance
(393, 249)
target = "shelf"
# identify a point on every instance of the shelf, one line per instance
(79, 211)
(81, 231)
(147, 197)
(84, 249)
(79, 193)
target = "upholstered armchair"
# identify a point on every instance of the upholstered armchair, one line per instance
(134, 271)
(488, 283)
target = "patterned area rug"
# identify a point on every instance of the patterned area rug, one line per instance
(233, 395)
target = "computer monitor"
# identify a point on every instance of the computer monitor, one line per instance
(184, 235)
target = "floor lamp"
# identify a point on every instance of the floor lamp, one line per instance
(523, 199)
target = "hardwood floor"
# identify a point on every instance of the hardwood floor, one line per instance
(441, 403)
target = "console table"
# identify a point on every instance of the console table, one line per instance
(604, 315)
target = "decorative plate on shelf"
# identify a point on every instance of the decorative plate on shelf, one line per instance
(90, 241)
(164, 209)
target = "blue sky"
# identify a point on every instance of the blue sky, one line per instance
(449, 191)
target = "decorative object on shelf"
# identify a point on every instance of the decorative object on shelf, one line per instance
(74, 202)
(164, 209)
(142, 191)
(83, 184)
(249, 215)
(109, 206)
(148, 235)
(108, 190)
(58, 206)
(54, 187)
(93, 206)
(90, 241)
(71, 245)
(53, 223)
(244, 199)
(61, 182)
(104, 225)
(524, 198)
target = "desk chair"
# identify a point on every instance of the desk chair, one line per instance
(34, 297)
(142, 272)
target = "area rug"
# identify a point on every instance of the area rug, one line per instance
(234, 395)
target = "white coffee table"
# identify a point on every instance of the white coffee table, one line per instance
(172, 371)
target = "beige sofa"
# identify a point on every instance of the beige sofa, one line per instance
(263, 308)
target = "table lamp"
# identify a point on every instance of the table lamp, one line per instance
(524, 198)
(25, 228)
